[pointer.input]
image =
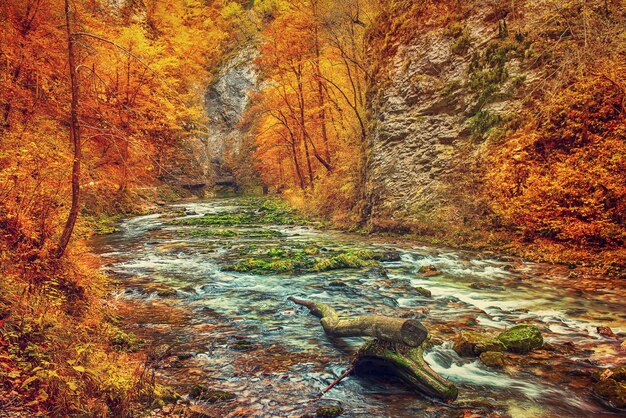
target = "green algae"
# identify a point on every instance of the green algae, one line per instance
(125, 341)
(269, 212)
(471, 344)
(232, 233)
(210, 395)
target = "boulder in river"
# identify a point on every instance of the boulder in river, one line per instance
(471, 344)
(521, 338)
(611, 387)
(423, 291)
(428, 271)
(492, 359)
(605, 331)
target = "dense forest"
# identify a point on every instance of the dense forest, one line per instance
(497, 127)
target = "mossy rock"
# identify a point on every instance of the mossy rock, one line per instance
(428, 271)
(386, 255)
(329, 411)
(472, 344)
(309, 259)
(242, 345)
(611, 391)
(158, 396)
(492, 359)
(210, 395)
(522, 338)
(423, 291)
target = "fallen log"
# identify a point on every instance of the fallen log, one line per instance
(397, 347)
(405, 331)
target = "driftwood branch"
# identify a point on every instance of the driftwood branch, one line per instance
(397, 330)
(397, 348)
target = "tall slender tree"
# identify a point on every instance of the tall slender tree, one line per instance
(74, 135)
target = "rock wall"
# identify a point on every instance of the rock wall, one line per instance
(225, 103)
(423, 109)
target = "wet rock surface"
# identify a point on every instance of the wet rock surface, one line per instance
(521, 338)
(236, 332)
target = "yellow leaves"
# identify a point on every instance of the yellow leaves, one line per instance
(28, 381)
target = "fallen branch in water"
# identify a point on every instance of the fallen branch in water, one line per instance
(397, 348)
(332, 385)
(398, 330)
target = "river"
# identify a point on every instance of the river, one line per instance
(238, 332)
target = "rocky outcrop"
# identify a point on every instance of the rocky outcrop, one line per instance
(428, 112)
(521, 338)
(225, 103)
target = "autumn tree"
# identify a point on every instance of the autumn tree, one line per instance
(311, 129)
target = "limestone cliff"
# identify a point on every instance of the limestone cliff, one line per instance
(428, 114)
(225, 102)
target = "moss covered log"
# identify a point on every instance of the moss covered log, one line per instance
(406, 362)
(397, 348)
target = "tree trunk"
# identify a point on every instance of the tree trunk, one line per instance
(406, 362)
(74, 137)
(397, 348)
(398, 330)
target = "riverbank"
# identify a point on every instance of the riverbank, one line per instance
(588, 262)
(62, 350)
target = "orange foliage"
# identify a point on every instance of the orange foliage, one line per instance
(309, 118)
(563, 177)
(139, 67)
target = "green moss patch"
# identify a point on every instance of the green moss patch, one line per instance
(123, 341)
(329, 411)
(210, 395)
(307, 259)
(521, 338)
(269, 212)
(471, 344)
(231, 233)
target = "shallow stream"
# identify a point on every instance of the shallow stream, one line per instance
(238, 332)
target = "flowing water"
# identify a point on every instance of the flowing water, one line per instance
(238, 332)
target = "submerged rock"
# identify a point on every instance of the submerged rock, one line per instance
(521, 338)
(611, 387)
(423, 291)
(210, 395)
(492, 359)
(329, 411)
(161, 290)
(388, 254)
(471, 344)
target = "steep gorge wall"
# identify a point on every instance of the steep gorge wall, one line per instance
(426, 113)
(225, 103)
(505, 117)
